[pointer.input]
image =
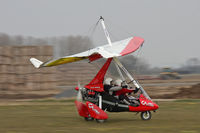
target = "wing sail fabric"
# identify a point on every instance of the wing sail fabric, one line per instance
(119, 48)
(61, 61)
(132, 46)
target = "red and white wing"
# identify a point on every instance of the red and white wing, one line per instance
(125, 47)
(119, 48)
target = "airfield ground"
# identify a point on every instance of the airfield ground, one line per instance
(60, 116)
(22, 112)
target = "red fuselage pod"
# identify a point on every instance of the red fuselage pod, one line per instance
(145, 105)
(82, 109)
(96, 112)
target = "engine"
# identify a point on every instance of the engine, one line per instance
(89, 95)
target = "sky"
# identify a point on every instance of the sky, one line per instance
(171, 28)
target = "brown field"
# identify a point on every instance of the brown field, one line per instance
(186, 87)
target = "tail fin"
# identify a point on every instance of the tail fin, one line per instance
(37, 63)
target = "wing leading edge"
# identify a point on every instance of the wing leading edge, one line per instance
(119, 48)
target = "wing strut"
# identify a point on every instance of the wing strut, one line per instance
(130, 77)
(119, 71)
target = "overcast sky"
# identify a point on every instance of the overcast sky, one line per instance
(171, 28)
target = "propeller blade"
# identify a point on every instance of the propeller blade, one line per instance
(79, 94)
(79, 85)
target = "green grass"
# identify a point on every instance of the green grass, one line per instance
(53, 100)
(172, 117)
(188, 100)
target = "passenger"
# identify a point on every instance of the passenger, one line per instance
(118, 82)
(109, 87)
(117, 86)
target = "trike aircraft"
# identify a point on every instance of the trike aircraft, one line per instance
(95, 99)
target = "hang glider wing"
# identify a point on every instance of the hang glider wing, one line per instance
(119, 48)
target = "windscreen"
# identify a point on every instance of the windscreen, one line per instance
(144, 93)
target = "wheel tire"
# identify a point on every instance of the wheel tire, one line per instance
(89, 118)
(146, 115)
(100, 121)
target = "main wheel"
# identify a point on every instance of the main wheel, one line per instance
(100, 121)
(89, 118)
(146, 115)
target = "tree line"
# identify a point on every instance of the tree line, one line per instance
(67, 45)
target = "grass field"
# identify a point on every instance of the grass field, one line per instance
(61, 117)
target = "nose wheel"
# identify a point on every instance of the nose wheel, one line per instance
(100, 121)
(146, 115)
(89, 118)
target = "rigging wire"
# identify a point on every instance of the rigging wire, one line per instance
(91, 32)
(139, 51)
(138, 54)
(94, 28)
(137, 59)
(121, 28)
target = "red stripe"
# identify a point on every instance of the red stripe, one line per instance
(132, 46)
(94, 57)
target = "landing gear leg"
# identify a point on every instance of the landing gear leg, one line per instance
(100, 101)
(146, 115)
(100, 106)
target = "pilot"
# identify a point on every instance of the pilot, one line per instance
(108, 83)
(124, 97)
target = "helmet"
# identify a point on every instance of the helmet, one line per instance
(107, 81)
(118, 82)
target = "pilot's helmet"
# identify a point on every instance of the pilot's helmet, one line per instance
(107, 81)
(118, 82)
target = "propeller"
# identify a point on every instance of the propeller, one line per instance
(79, 94)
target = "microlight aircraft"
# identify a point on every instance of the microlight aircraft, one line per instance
(92, 100)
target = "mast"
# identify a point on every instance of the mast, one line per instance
(105, 30)
(118, 63)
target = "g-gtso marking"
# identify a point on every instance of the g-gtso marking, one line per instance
(92, 107)
(146, 103)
